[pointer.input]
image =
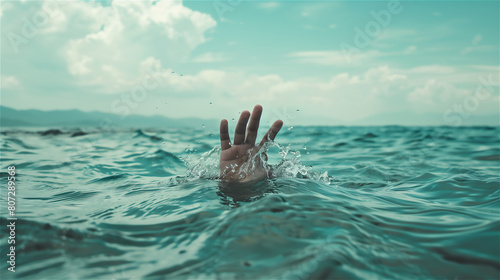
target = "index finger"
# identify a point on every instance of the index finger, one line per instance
(224, 135)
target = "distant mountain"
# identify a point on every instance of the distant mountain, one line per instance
(425, 119)
(77, 118)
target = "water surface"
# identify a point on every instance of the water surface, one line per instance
(345, 202)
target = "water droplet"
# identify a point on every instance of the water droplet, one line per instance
(298, 110)
(210, 103)
(156, 107)
(181, 75)
(203, 125)
(232, 119)
(290, 128)
(173, 72)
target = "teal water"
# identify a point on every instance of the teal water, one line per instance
(344, 203)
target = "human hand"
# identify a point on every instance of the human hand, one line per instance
(238, 162)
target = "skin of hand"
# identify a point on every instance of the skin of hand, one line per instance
(234, 158)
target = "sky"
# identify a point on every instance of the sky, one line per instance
(305, 62)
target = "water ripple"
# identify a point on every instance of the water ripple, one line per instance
(343, 203)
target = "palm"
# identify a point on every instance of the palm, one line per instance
(235, 159)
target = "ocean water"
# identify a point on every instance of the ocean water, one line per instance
(344, 203)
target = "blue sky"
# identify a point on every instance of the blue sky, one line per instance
(328, 62)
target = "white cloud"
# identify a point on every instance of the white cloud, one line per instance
(419, 76)
(58, 20)
(269, 5)
(411, 49)
(207, 81)
(314, 9)
(488, 68)
(9, 82)
(427, 94)
(334, 57)
(432, 69)
(383, 74)
(122, 35)
(4, 6)
(95, 49)
(343, 96)
(479, 48)
(436, 96)
(389, 36)
(210, 57)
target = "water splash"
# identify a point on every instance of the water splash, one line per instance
(291, 167)
(206, 166)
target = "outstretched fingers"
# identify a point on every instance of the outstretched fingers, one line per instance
(224, 135)
(253, 126)
(272, 132)
(239, 133)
